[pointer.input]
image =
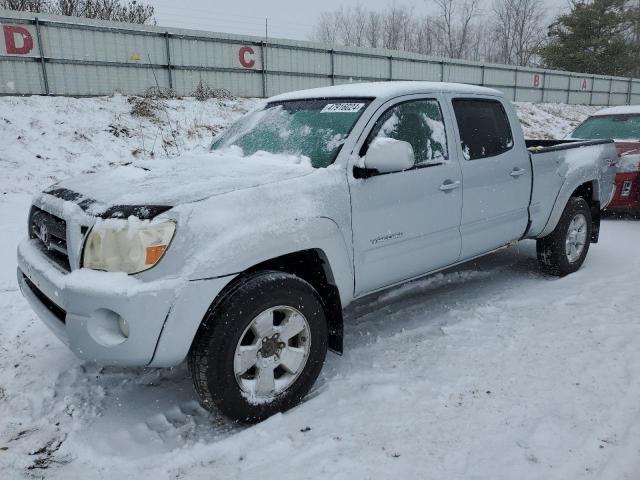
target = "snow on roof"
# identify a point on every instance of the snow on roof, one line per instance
(620, 110)
(384, 90)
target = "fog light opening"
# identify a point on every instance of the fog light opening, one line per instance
(108, 328)
(124, 327)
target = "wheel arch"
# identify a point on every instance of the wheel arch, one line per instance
(555, 256)
(313, 266)
(590, 191)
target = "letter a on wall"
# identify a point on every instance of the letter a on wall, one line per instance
(18, 40)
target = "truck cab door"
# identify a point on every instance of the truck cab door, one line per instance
(497, 175)
(406, 223)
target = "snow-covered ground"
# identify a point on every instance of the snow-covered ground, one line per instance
(490, 370)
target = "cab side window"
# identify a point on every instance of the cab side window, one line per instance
(418, 122)
(484, 128)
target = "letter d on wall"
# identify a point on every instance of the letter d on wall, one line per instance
(17, 40)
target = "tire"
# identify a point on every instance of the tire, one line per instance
(236, 329)
(555, 255)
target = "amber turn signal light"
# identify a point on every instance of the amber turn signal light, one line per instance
(154, 254)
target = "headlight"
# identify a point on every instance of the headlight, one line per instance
(129, 246)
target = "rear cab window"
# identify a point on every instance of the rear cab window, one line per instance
(484, 127)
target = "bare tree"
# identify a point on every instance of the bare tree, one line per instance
(346, 26)
(131, 11)
(424, 38)
(70, 8)
(373, 31)
(488, 48)
(326, 29)
(409, 31)
(395, 28)
(455, 25)
(518, 30)
(395, 23)
(36, 6)
(357, 17)
(454, 32)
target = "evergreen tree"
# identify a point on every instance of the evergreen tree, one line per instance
(597, 36)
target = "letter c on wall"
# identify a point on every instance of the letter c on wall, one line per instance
(14, 32)
(245, 55)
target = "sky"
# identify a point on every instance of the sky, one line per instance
(287, 18)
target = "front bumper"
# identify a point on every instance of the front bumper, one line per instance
(163, 315)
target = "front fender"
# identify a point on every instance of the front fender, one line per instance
(234, 254)
(208, 279)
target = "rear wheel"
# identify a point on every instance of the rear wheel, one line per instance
(261, 349)
(563, 251)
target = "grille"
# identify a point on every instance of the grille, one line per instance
(51, 232)
(59, 313)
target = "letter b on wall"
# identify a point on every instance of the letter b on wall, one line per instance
(18, 40)
(536, 80)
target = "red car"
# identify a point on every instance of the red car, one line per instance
(623, 125)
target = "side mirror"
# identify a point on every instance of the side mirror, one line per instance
(386, 155)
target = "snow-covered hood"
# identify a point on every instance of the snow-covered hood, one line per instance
(175, 181)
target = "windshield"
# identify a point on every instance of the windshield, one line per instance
(619, 127)
(313, 128)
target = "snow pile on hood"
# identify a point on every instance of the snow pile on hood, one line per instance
(187, 178)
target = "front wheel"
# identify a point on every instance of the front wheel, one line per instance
(261, 349)
(563, 251)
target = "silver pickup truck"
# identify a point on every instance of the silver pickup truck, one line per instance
(240, 260)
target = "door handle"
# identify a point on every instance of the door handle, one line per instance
(516, 172)
(449, 185)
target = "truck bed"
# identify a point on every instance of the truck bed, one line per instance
(559, 167)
